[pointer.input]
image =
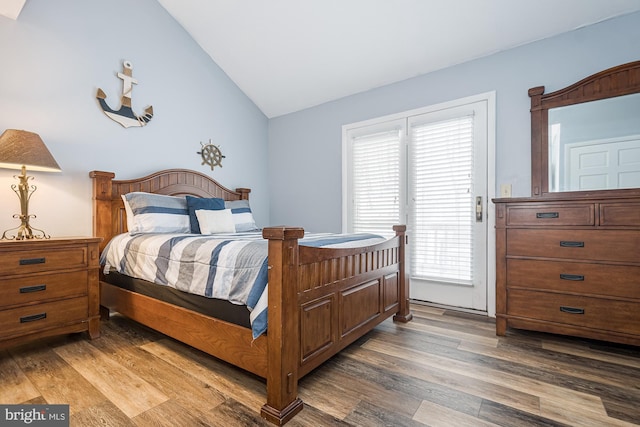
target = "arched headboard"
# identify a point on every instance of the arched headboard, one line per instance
(109, 217)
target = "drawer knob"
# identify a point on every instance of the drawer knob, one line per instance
(573, 277)
(571, 310)
(570, 244)
(31, 261)
(33, 317)
(547, 215)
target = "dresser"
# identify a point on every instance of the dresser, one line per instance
(48, 287)
(569, 266)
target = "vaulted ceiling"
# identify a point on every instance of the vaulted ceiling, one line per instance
(287, 55)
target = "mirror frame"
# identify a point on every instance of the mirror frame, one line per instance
(616, 81)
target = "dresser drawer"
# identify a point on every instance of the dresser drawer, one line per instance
(551, 215)
(23, 290)
(33, 261)
(575, 277)
(38, 317)
(602, 245)
(620, 214)
(595, 313)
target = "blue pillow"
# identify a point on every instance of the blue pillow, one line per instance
(200, 203)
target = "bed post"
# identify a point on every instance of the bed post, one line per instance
(102, 212)
(404, 313)
(283, 332)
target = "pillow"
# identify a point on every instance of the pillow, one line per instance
(215, 221)
(157, 213)
(242, 216)
(195, 203)
(128, 213)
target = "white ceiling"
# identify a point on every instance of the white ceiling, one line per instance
(287, 55)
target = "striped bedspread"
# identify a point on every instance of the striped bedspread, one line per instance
(232, 267)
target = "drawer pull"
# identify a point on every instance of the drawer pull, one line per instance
(33, 317)
(31, 261)
(36, 288)
(574, 277)
(571, 310)
(547, 215)
(569, 244)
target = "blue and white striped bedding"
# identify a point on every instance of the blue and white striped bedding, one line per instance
(232, 267)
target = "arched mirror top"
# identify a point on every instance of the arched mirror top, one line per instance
(585, 138)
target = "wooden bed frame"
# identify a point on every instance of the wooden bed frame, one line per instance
(320, 299)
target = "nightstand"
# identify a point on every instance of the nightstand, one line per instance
(48, 287)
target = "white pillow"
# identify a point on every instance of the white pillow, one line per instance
(218, 221)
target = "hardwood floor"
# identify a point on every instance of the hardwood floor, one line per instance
(442, 369)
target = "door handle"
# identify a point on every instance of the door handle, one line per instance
(479, 209)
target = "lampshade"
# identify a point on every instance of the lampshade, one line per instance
(21, 148)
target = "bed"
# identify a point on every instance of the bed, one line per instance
(320, 299)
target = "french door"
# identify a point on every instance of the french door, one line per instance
(427, 168)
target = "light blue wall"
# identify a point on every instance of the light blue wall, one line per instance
(56, 55)
(305, 147)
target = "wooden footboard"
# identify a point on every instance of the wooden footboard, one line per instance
(320, 299)
(327, 298)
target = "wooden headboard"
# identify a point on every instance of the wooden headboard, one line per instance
(109, 217)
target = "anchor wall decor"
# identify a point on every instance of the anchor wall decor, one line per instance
(125, 115)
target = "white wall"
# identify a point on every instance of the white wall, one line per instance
(53, 59)
(308, 143)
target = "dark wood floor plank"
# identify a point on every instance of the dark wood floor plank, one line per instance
(505, 416)
(348, 381)
(367, 414)
(462, 383)
(407, 387)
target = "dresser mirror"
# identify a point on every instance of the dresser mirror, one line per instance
(585, 138)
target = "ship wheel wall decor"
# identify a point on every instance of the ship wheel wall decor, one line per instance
(211, 154)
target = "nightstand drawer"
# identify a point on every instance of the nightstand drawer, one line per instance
(597, 245)
(42, 316)
(575, 310)
(25, 262)
(23, 290)
(551, 215)
(575, 277)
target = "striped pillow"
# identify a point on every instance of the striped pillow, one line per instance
(242, 215)
(157, 213)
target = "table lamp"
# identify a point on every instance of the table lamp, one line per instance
(20, 149)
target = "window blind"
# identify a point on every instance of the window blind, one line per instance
(442, 205)
(376, 182)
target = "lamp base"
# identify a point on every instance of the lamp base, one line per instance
(24, 230)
